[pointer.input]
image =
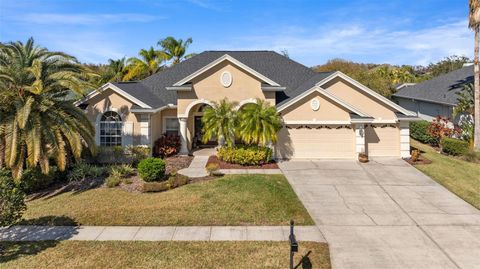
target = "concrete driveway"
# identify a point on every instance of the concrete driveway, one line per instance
(386, 214)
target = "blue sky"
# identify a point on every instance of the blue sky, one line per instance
(377, 31)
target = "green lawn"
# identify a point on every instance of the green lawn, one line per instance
(460, 177)
(116, 254)
(231, 200)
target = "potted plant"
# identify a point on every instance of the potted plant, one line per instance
(363, 157)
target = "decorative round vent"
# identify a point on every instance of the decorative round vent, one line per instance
(315, 104)
(226, 79)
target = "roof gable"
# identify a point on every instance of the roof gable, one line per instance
(367, 91)
(327, 95)
(232, 60)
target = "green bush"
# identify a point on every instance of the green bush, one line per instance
(34, 180)
(82, 171)
(245, 155)
(12, 202)
(112, 181)
(152, 169)
(454, 146)
(419, 131)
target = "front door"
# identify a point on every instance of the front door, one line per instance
(198, 133)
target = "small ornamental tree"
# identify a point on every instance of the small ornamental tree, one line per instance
(442, 127)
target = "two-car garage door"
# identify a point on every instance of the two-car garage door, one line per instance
(336, 142)
(325, 142)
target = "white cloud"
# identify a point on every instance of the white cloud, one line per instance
(89, 47)
(361, 43)
(83, 19)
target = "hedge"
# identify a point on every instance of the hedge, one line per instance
(245, 155)
(419, 131)
(454, 146)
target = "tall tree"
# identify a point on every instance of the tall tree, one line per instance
(259, 123)
(38, 119)
(149, 63)
(474, 24)
(115, 70)
(175, 49)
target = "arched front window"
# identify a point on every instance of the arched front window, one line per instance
(111, 129)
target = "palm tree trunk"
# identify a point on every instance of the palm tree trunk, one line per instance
(476, 140)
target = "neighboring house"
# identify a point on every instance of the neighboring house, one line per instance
(326, 115)
(434, 97)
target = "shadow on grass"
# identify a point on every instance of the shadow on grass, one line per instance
(13, 250)
(305, 262)
(75, 187)
(24, 240)
(50, 221)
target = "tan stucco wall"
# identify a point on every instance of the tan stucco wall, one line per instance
(207, 86)
(328, 111)
(157, 122)
(110, 99)
(355, 97)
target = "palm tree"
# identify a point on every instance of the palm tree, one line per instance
(474, 24)
(175, 49)
(115, 70)
(259, 123)
(220, 120)
(148, 64)
(38, 119)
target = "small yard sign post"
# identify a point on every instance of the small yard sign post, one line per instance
(293, 244)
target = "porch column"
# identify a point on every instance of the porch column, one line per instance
(360, 138)
(183, 136)
(404, 139)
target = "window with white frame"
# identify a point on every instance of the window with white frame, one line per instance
(111, 129)
(171, 126)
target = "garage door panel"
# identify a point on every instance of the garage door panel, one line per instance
(316, 143)
(382, 140)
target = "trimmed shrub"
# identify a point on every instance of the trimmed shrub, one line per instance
(245, 155)
(419, 131)
(454, 146)
(112, 181)
(212, 169)
(152, 169)
(12, 202)
(166, 145)
(138, 153)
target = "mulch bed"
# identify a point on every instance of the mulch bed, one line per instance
(176, 163)
(419, 161)
(225, 165)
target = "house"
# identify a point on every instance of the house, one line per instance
(434, 97)
(325, 115)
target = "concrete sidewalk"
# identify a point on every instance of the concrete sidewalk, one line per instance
(159, 233)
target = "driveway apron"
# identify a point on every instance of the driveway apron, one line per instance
(386, 214)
